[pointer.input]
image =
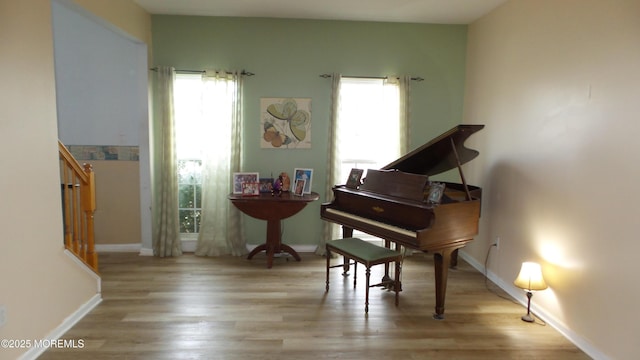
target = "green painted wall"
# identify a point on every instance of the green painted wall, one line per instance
(288, 56)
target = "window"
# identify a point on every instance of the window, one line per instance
(368, 126)
(188, 114)
(197, 102)
(189, 195)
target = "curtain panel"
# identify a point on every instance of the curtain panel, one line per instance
(166, 230)
(330, 230)
(221, 230)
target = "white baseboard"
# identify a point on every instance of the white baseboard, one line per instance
(134, 248)
(516, 293)
(146, 252)
(86, 269)
(67, 324)
(102, 248)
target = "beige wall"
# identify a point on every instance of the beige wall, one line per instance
(38, 280)
(125, 15)
(557, 83)
(117, 216)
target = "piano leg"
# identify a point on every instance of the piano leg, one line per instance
(390, 284)
(454, 259)
(442, 262)
(347, 232)
(386, 278)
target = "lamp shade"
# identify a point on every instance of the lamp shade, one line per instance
(530, 277)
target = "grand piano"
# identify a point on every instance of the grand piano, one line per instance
(392, 203)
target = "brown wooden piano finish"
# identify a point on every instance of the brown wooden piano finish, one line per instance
(391, 204)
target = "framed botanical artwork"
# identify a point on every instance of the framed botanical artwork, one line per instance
(266, 185)
(306, 175)
(250, 188)
(354, 178)
(285, 123)
(436, 191)
(298, 189)
(243, 177)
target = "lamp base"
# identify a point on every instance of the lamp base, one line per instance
(527, 318)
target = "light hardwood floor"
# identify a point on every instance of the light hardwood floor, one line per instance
(192, 307)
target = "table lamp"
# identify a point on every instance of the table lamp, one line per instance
(530, 279)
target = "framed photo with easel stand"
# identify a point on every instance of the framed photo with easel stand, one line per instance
(306, 175)
(299, 187)
(353, 181)
(436, 190)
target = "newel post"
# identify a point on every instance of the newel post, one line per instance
(89, 207)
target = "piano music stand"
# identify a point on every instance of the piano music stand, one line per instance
(272, 208)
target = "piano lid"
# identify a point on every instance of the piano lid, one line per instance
(437, 156)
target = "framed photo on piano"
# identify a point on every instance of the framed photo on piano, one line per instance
(355, 175)
(436, 190)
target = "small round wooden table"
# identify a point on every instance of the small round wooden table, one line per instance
(272, 208)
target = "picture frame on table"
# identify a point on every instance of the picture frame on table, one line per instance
(298, 189)
(353, 181)
(250, 188)
(243, 177)
(306, 175)
(266, 185)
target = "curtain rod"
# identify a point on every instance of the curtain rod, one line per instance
(243, 72)
(367, 77)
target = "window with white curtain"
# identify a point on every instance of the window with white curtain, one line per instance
(368, 126)
(194, 99)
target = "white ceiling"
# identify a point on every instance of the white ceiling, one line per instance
(413, 11)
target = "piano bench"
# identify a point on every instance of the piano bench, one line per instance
(369, 255)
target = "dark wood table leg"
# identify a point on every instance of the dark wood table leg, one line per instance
(273, 240)
(289, 249)
(272, 209)
(256, 250)
(274, 244)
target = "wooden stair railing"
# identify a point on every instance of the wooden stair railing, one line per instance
(79, 205)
